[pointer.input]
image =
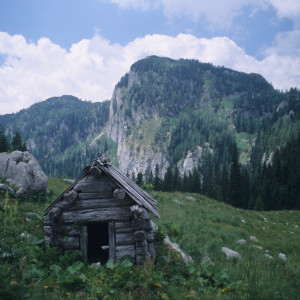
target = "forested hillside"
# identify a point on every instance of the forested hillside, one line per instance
(58, 132)
(179, 125)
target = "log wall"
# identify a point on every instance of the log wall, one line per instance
(94, 200)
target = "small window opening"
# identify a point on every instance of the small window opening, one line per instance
(98, 242)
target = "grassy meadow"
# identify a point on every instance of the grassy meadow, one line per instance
(201, 226)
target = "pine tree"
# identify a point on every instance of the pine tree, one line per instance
(4, 145)
(157, 181)
(235, 180)
(17, 143)
(139, 179)
(168, 180)
(176, 180)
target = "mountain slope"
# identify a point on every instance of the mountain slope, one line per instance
(185, 113)
(59, 129)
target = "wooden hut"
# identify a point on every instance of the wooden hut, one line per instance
(104, 214)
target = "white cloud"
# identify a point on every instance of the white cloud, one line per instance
(216, 12)
(287, 8)
(286, 43)
(91, 68)
(136, 4)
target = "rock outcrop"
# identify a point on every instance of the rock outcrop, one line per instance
(127, 127)
(22, 170)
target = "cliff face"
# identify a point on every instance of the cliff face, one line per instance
(134, 127)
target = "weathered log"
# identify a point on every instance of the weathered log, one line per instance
(119, 194)
(151, 249)
(54, 213)
(148, 225)
(71, 196)
(112, 240)
(83, 242)
(89, 215)
(104, 195)
(99, 203)
(135, 211)
(70, 242)
(71, 230)
(96, 172)
(139, 235)
(138, 224)
(125, 250)
(141, 247)
(124, 239)
(150, 236)
(121, 225)
(94, 187)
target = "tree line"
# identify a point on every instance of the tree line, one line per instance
(15, 144)
(274, 187)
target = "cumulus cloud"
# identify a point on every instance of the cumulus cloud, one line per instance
(91, 68)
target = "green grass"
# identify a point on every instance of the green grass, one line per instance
(205, 226)
(200, 225)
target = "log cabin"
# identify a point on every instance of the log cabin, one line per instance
(104, 214)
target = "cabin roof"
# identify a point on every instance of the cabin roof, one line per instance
(141, 197)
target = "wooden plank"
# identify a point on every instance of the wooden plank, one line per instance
(125, 250)
(92, 184)
(124, 230)
(112, 240)
(71, 230)
(92, 187)
(93, 215)
(83, 242)
(70, 242)
(104, 195)
(122, 227)
(99, 203)
(124, 238)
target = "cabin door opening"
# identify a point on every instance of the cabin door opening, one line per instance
(97, 242)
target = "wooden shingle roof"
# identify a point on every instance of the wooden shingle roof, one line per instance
(141, 197)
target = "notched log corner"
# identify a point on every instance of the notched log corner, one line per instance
(96, 171)
(71, 196)
(119, 194)
(54, 213)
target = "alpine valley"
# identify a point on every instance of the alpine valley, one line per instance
(178, 117)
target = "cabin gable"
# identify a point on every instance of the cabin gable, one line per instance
(96, 215)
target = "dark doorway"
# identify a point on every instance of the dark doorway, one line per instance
(98, 242)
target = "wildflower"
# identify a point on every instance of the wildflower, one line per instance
(68, 294)
(98, 292)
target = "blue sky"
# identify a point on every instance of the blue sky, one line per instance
(51, 48)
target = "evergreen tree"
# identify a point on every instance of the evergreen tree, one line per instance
(157, 180)
(17, 143)
(4, 145)
(235, 180)
(224, 185)
(168, 181)
(176, 180)
(139, 179)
